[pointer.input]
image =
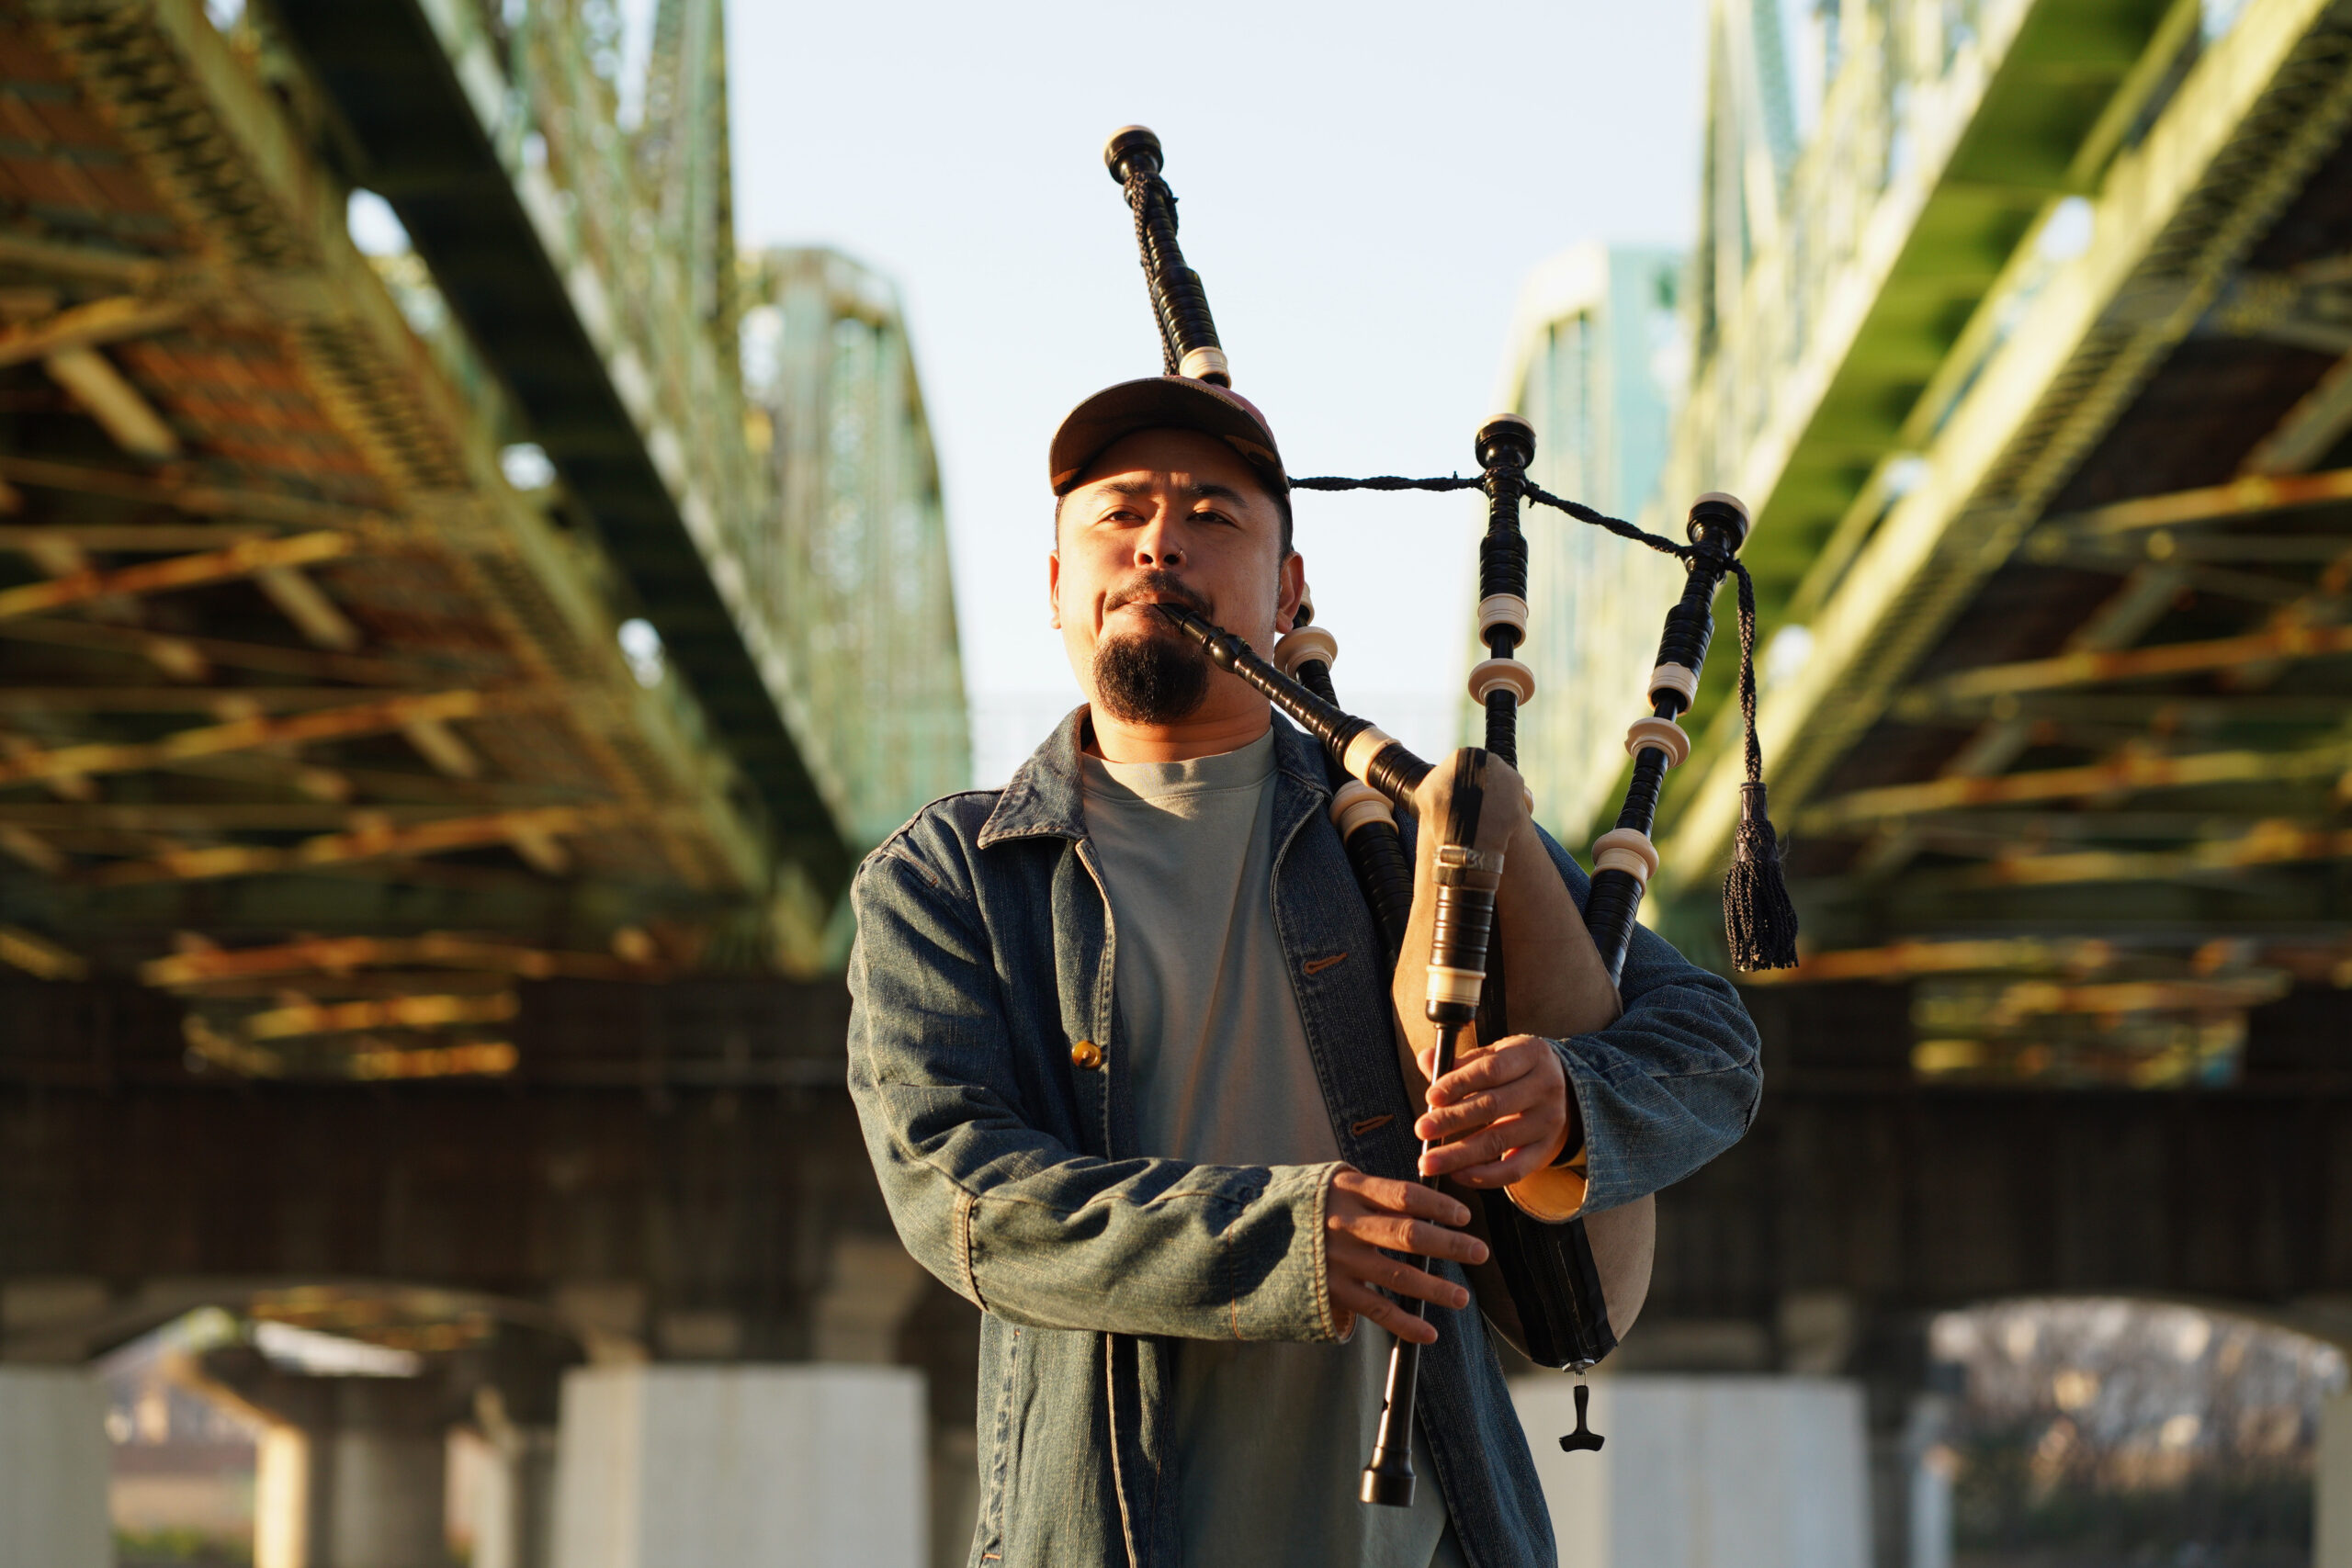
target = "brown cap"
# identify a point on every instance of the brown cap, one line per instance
(1164, 402)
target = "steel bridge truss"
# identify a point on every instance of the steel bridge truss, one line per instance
(439, 598)
(2035, 358)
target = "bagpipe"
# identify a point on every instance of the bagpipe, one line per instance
(1481, 936)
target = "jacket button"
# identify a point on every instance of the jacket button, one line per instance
(1086, 1055)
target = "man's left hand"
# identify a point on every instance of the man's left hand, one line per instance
(1506, 1109)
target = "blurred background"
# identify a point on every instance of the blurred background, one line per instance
(503, 502)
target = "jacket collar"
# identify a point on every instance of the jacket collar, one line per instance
(1047, 799)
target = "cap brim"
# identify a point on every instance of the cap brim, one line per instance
(1162, 402)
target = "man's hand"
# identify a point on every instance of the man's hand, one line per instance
(1365, 1214)
(1506, 1107)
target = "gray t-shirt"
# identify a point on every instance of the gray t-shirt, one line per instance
(1270, 1436)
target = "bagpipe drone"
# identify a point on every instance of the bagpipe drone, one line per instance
(1482, 938)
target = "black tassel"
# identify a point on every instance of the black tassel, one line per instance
(1759, 920)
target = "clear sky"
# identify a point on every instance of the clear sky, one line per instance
(1361, 189)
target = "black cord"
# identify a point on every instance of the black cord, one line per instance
(1529, 489)
(1755, 758)
(1389, 481)
(1616, 526)
(1760, 921)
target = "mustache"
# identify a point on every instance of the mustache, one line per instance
(1159, 585)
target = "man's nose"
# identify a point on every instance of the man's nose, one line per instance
(1157, 546)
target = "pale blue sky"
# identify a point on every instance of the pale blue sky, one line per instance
(1363, 187)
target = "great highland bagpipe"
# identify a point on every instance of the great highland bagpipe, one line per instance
(1479, 931)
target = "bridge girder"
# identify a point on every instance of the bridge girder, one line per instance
(236, 453)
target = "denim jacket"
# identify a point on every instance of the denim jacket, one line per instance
(986, 1060)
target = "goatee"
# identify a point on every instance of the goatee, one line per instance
(1150, 677)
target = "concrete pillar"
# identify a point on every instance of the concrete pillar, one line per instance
(741, 1467)
(346, 1498)
(1933, 1466)
(44, 1317)
(874, 1285)
(1578, 1486)
(515, 1522)
(954, 1494)
(1931, 1522)
(352, 1471)
(2332, 1486)
(1705, 1471)
(53, 1469)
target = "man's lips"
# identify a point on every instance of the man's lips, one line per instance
(1146, 601)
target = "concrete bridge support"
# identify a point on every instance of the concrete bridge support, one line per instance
(1705, 1471)
(514, 1524)
(53, 1466)
(742, 1465)
(2332, 1483)
(352, 1471)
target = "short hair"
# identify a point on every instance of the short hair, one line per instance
(1281, 499)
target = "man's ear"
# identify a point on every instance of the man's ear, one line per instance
(1054, 587)
(1291, 591)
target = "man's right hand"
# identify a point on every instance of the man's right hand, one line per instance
(1365, 1219)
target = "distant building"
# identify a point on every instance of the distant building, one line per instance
(1597, 356)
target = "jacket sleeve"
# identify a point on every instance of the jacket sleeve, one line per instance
(1022, 1225)
(1673, 1083)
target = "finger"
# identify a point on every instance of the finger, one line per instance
(1494, 1143)
(1376, 1269)
(1396, 1197)
(1489, 1069)
(1484, 1147)
(1374, 1307)
(1518, 1165)
(1417, 1237)
(1465, 1055)
(1488, 1105)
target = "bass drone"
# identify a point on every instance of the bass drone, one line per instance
(1481, 937)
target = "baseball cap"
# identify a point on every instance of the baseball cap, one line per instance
(1164, 402)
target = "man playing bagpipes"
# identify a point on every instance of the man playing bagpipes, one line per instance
(1137, 1082)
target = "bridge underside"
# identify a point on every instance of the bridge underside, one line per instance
(694, 1143)
(312, 707)
(2137, 722)
(687, 1148)
(2066, 750)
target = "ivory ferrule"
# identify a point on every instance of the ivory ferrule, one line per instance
(1370, 741)
(1628, 850)
(1357, 804)
(1297, 648)
(1458, 986)
(1655, 734)
(1504, 675)
(1206, 364)
(1502, 610)
(1677, 678)
(1461, 857)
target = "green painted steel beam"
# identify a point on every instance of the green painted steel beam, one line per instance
(2047, 93)
(2017, 405)
(394, 83)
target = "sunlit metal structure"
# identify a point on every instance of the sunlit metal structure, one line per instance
(857, 566)
(2020, 323)
(381, 628)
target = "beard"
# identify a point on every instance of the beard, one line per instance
(1154, 675)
